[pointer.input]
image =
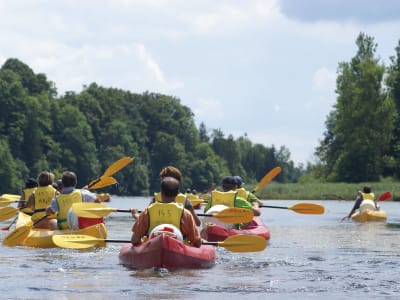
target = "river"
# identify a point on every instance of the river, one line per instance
(308, 257)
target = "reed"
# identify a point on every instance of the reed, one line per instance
(325, 191)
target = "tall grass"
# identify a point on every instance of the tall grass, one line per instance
(325, 191)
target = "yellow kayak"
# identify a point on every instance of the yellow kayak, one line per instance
(42, 238)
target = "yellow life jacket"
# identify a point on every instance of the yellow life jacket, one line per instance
(43, 197)
(242, 193)
(180, 198)
(369, 196)
(65, 202)
(165, 213)
(28, 192)
(223, 198)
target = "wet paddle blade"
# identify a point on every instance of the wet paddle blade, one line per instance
(308, 208)
(11, 196)
(17, 236)
(7, 213)
(6, 201)
(267, 178)
(80, 241)
(102, 182)
(385, 196)
(118, 165)
(92, 210)
(242, 243)
(232, 215)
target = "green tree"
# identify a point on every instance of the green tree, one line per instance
(362, 128)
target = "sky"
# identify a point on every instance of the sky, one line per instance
(261, 68)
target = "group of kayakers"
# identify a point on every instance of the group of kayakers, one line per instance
(49, 201)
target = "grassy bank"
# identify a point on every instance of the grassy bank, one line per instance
(325, 191)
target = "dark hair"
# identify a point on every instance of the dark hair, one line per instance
(69, 179)
(366, 189)
(170, 186)
(228, 183)
(45, 178)
(30, 183)
(171, 171)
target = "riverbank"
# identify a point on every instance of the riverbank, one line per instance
(325, 191)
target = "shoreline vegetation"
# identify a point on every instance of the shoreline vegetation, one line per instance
(324, 191)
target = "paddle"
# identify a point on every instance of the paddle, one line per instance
(95, 210)
(103, 182)
(11, 224)
(7, 213)
(19, 234)
(235, 243)
(302, 208)
(7, 201)
(112, 169)
(267, 178)
(385, 196)
(11, 196)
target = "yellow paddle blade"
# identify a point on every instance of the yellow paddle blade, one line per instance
(101, 183)
(118, 165)
(7, 213)
(92, 210)
(244, 243)
(267, 178)
(17, 236)
(232, 215)
(11, 196)
(196, 201)
(308, 208)
(75, 241)
(6, 201)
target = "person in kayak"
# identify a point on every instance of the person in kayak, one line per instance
(68, 196)
(30, 186)
(171, 171)
(365, 194)
(229, 197)
(166, 211)
(249, 196)
(41, 198)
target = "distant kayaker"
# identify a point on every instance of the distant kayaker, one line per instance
(63, 202)
(171, 171)
(365, 194)
(30, 186)
(41, 198)
(166, 211)
(229, 197)
(249, 196)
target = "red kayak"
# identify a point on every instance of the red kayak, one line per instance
(218, 233)
(164, 251)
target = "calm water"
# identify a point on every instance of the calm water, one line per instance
(309, 256)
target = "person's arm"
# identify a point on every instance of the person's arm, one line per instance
(356, 206)
(189, 229)
(31, 202)
(139, 229)
(189, 207)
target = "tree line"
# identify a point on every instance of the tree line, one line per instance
(362, 138)
(86, 132)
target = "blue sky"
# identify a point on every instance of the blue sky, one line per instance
(265, 68)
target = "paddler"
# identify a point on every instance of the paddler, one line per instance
(68, 196)
(170, 171)
(249, 196)
(166, 211)
(365, 194)
(41, 198)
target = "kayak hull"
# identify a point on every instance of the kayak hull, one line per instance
(167, 252)
(42, 238)
(369, 215)
(218, 233)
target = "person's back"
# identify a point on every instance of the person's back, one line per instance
(166, 212)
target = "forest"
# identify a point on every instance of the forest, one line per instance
(87, 131)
